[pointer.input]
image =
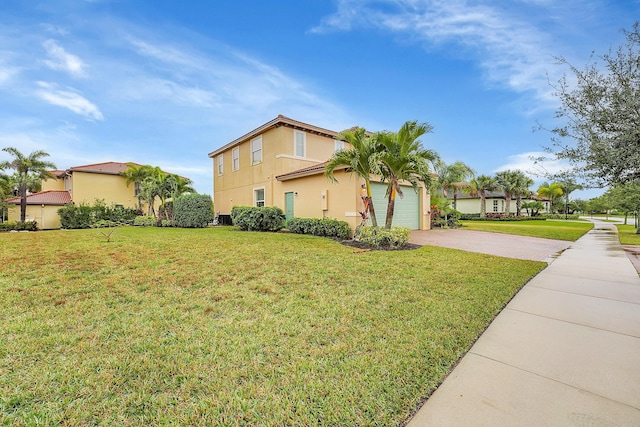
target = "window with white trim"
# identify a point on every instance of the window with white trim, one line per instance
(258, 196)
(339, 145)
(495, 206)
(236, 158)
(220, 164)
(256, 150)
(300, 141)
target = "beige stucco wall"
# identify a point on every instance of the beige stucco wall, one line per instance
(236, 187)
(52, 184)
(113, 189)
(46, 217)
(342, 199)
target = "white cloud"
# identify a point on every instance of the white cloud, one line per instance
(61, 60)
(536, 164)
(50, 93)
(511, 51)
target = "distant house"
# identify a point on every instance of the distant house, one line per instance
(281, 163)
(41, 207)
(78, 185)
(495, 202)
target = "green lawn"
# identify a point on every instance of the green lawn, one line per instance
(627, 234)
(221, 327)
(549, 229)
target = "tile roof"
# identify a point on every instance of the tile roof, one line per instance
(111, 168)
(49, 197)
(309, 170)
(278, 121)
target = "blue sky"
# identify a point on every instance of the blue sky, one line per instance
(165, 82)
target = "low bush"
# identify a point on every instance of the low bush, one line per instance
(320, 227)
(448, 219)
(501, 217)
(19, 226)
(560, 216)
(145, 221)
(378, 237)
(192, 211)
(105, 223)
(248, 218)
(86, 216)
(167, 223)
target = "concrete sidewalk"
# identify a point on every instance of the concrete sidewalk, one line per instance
(564, 352)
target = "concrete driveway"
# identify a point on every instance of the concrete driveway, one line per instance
(504, 245)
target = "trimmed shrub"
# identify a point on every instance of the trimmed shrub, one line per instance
(320, 227)
(192, 211)
(560, 216)
(448, 219)
(248, 218)
(377, 237)
(167, 223)
(145, 221)
(72, 216)
(502, 217)
(19, 226)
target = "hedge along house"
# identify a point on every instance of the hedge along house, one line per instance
(281, 163)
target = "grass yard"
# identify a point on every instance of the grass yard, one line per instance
(220, 327)
(627, 234)
(549, 229)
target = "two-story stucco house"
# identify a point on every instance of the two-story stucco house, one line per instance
(281, 163)
(78, 184)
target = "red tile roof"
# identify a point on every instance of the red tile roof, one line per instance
(49, 197)
(111, 168)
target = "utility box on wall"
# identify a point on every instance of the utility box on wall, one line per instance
(324, 200)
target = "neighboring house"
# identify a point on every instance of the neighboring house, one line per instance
(41, 207)
(281, 163)
(495, 202)
(78, 185)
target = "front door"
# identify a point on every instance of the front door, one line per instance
(288, 205)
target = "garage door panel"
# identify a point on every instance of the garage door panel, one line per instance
(407, 209)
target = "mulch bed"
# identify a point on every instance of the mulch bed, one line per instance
(363, 247)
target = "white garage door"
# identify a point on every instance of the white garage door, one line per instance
(407, 210)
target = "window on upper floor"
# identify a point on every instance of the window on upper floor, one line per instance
(236, 158)
(300, 141)
(256, 150)
(258, 196)
(220, 164)
(137, 188)
(339, 145)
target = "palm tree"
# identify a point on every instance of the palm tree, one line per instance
(508, 182)
(137, 174)
(550, 191)
(26, 168)
(568, 186)
(453, 177)
(6, 191)
(479, 187)
(401, 158)
(523, 182)
(358, 160)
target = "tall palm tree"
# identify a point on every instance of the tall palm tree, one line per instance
(453, 177)
(551, 191)
(26, 168)
(358, 160)
(6, 191)
(479, 187)
(401, 157)
(508, 182)
(136, 174)
(181, 186)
